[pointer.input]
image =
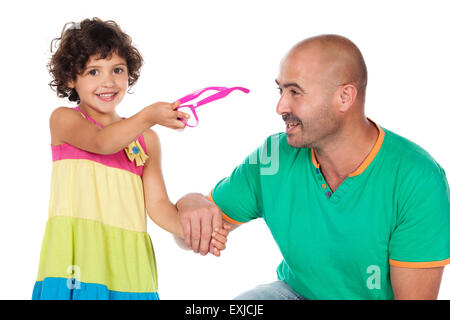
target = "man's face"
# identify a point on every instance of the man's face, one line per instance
(306, 102)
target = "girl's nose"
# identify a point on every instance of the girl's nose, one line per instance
(108, 81)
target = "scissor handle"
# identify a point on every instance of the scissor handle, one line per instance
(223, 92)
(193, 112)
(187, 124)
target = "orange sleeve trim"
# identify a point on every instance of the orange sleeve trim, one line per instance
(224, 216)
(429, 264)
(228, 219)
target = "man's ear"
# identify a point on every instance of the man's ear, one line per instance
(347, 96)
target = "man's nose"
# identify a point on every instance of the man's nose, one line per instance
(283, 105)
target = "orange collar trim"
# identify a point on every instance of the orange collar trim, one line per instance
(368, 159)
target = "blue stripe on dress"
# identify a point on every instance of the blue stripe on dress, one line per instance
(61, 289)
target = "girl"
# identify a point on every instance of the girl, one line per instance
(106, 173)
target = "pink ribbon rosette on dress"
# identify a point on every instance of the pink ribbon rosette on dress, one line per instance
(190, 108)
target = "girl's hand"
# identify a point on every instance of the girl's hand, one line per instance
(219, 238)
(163, 113)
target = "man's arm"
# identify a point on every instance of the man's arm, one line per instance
(199, 217)
(416, 284)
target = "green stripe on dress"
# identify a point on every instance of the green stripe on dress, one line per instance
(95, 253)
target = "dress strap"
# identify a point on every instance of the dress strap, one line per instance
(136, 150)
(87, 117)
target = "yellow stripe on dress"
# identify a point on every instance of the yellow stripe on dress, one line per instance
(87, 189)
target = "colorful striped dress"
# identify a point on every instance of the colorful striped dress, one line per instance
(96, 244)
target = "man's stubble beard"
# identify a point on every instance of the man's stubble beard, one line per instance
(319, 138)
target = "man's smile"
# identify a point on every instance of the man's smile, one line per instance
(291, 121)
(291, 126)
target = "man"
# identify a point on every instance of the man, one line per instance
(357, 211)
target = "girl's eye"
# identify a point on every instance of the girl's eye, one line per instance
(118, 70)
(93, 72)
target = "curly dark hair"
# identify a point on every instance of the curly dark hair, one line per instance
(80, 41)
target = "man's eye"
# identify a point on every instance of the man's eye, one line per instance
(294, 92)
(280, 90)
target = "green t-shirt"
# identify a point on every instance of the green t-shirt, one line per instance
(394, 209)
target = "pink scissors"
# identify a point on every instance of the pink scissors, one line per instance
(222, 93)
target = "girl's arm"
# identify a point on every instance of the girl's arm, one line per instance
(159, 208)
(67, 125)
(157, 203)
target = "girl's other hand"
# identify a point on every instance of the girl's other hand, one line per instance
(219, 238)
(163, 113)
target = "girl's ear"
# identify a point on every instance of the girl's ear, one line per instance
(71, 84)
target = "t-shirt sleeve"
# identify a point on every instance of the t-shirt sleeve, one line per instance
(239, 195)
(421, 238)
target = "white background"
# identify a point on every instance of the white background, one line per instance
(188, 45)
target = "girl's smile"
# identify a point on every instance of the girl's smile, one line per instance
(107, 96)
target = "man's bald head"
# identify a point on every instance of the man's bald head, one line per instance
(322, 82)
(338, 59)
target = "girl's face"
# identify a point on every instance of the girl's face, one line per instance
(102, 84)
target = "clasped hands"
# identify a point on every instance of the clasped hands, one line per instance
(203, 228)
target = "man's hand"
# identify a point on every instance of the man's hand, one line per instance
(199, 217)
